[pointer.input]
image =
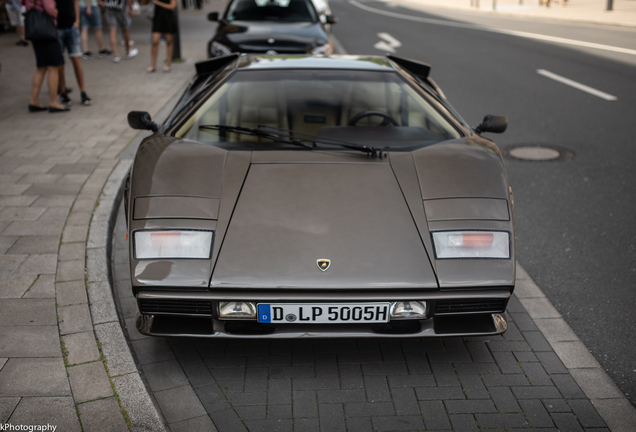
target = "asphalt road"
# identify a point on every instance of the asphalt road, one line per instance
(574, 219)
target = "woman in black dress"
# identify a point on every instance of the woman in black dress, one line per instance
(48, 57)
(164, 21)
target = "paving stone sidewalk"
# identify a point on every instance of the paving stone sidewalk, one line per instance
(55, 326)
(623, 12)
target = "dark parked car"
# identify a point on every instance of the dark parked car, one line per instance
(314, 196)
(271, 27)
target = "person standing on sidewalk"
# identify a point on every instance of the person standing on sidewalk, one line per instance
(164, 21)
(90, 16)
(119, 15)
(16, 19)
(68, 21)
(48, 58)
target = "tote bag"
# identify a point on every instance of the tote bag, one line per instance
(39, 26)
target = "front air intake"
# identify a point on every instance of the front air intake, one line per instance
(175, 307)
(469, 305)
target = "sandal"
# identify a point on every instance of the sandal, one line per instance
(166, 69)
(150, 69)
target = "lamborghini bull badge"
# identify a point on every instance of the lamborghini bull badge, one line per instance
(323, 264)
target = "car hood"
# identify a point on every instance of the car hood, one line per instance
(289, 215)
(262, 37)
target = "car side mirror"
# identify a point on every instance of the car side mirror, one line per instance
(331, 19)
(213, 16)
(492, 123)
(141, 120)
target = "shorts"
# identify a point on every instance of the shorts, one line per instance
(15, 15)
(70, 39)
(117, 18)
(93, 20)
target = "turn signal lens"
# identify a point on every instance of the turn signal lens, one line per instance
(470, 240)
(172, 244)
(471, 244)
(408, 310)
(237, 310)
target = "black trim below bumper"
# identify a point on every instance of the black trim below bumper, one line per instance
(452, 325)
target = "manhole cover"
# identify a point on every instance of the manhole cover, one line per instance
(538, 153)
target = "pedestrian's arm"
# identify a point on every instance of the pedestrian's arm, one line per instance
(170, 6)
(50, 7)
(77, 15)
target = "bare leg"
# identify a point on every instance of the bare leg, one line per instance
(156, 37)
(52, 82)
(126, 34)
(169, 48)
(113, 41)
(79, 72)
(20, 32)
(84, 38)
(61, 79)
(36, 85)
(99, 37)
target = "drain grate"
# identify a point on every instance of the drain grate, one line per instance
(538, 153)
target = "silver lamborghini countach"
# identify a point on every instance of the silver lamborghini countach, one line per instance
(318, 196)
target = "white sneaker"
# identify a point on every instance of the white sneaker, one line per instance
(116, 59)
(132, 53)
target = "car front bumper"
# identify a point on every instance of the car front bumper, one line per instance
(470, 312)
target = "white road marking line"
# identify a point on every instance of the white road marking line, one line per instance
(577, 85)
(388, 44)
(526, 35)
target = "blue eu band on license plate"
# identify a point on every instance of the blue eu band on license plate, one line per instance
(323, 313)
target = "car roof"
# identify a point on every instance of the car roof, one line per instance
(344, 62)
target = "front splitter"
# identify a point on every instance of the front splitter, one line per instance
(439, 326)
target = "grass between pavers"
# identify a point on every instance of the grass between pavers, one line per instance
(65, 352)
(124, 413)
(31, 286)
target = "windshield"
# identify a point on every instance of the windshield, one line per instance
(271, 10)
(371, 108)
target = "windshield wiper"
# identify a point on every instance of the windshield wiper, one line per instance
(285, 136)
(258, 132)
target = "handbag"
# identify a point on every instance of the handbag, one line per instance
(39, 26)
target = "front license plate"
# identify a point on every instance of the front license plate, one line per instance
(323, 313)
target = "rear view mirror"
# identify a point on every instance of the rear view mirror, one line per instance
(213, 16)
(141, 120)
(492, 123)
(331, 19)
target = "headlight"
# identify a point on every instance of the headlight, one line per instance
(408, 310)
(237, 310)
(322, 49)
(218, 49)
(195, 244)
(471, 244)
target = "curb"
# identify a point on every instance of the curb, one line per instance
(138, 407)
(611, 404)
(130, 390)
